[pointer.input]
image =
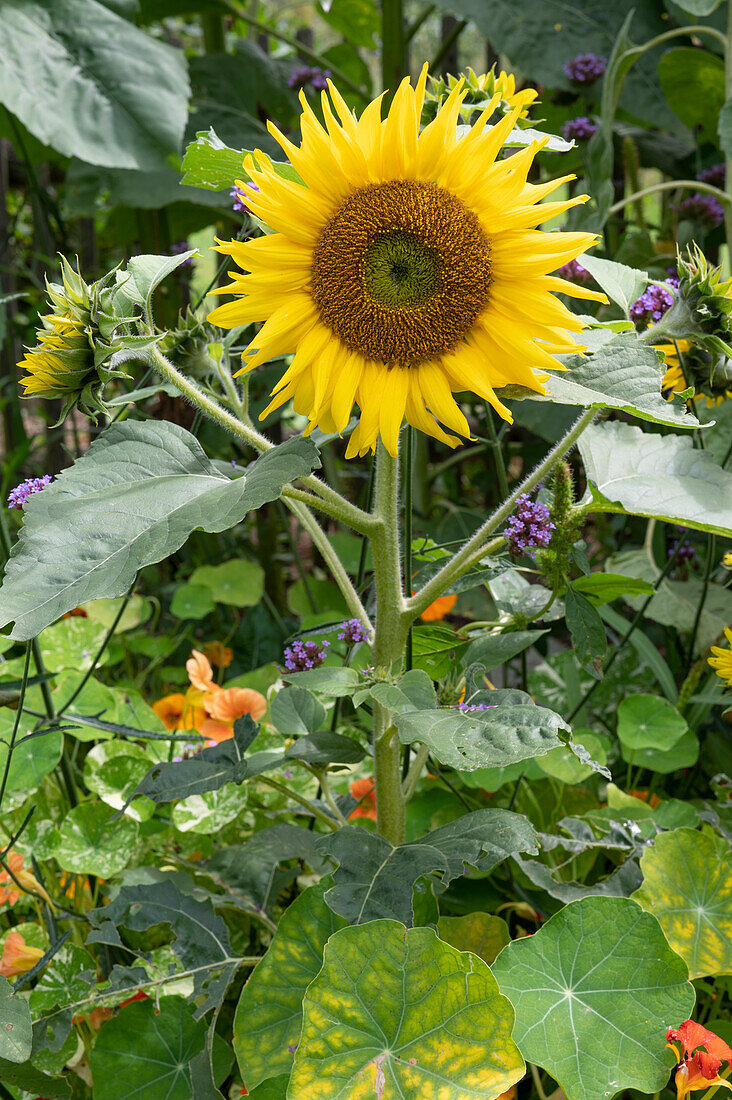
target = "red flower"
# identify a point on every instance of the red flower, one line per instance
(698, 1069)
(365, 791)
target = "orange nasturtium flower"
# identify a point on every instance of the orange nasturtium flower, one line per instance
(365, 791)
(206, 707)
(698, 1069)
(438, 609)
(218, 654)
(18, 956)
(10, 888)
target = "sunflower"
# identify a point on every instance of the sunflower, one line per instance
(721, 662)
(710, 374)
(405, 267)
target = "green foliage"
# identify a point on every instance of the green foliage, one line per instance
(15, 1025)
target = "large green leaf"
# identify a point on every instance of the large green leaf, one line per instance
(647, 722)
(375, 879)
(92, 85)
(394, 1013)
(249, 871)
(237, 583)
(662, 477)
(693, 83)
(492, 650)
(130, 501)
(269, 1014)
(90, 841)
(621, 283)
(16, 1033)
(481, 933)
(485, 739)
(594, 991)
(688, 888)
(212, 165)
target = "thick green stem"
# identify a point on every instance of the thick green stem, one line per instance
(394, 44)
(476, 546)
(389, 641)
(727, 96)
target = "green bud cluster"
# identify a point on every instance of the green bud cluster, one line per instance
(556, 561)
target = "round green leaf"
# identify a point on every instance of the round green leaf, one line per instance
(562, 763)
(114, 768)
(236, 582)
(138, 611)
(594, 991)
(93, 841)
(209, 812)
(16, 1032)
(480, 933)
(32, 760)
(688, 888)
(649, 722)
(681, 755)
(400, 1012)
(72, 643)
(150, 1048)
(269, 1014)
(192, 601)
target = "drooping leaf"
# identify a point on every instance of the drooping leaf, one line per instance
(662, 477)
(594, 990)
(375, 879)
(137, 494)
(269, 1013)
(209, 163)
(586, 629)
(688, 888)
(619, 884)
(481, 933)
(16, 1032)
(90, 841)
(602, 588)
(249, 870)
(493, 650)
(324, 747)
(402, 1011)
(621, 283)
(125, 93)
(412, 691)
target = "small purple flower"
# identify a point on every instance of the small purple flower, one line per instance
(673, 277)
(686, 552)
(189, 750)
(651, 306)
(715, 174)
(575, 272)
(353, 631)
(301, 656)
(585, 68)
(468, 708)
(307, 74)
(579, 129)
(178, 248)
(529, 526)
(701, 208)
(19, 495)
(240, 196)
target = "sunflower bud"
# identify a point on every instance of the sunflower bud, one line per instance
(194, 345)
(71, 360)
(478, 92)
(702, 309)
(693, 372)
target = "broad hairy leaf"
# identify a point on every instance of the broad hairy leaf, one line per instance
(295, 711)
(269, 1013)
(492, 650)
(249, 870)
(119, 96)
(594, 990)
(587, 630)
(209, 163)
(688, 888)
(375, 879)
(602, 588)
(693, 83)
(662, 477)
(402, 1011)
(621, 283)
(130, 501)
(16, 1033)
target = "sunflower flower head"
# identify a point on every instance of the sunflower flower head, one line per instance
(479, 91)
(693, 372)
(721, 659)
(404, 268)
(71, 359)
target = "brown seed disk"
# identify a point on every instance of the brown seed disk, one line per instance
(448, 263)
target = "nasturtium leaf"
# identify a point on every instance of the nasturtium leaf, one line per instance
(564, 765)
(124, 107)
(662, 477)
(269, 1014)
(394, 1011)
(208, 813)
(682, 754)
(687, 886)
(648, 722)
(137, 611)
(91, 841)
(481, 933)
(493, 650)
(274, 1088)
(295, 711)
(112, 769)
(72, 643)
(16, 1032)
(31, 760)
(594, 990)
(238, 583)
(150, 1045)
(375, 879)
(136, 494)
(192, 601)
(66, 979)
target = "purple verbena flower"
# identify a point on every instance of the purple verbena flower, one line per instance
(467, 708)
(575, 272)
(353, 631)
(529, 526)
(686, 552)
(301, 656)
(579, 129)
(240, 196)
(715, 174)
(651, 306)
(309, 74)
(178, 248)
(19, 495)
(702, 208)
(585, 68)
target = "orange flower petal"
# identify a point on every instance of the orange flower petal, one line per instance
(438, 609)
(199, 671)
(234, 702)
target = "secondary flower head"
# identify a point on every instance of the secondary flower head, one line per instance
(301, 656)
(18, 956)
(353, 631)
(19, 495)
(579, 129)
(404, 268)
(71, 360)
(585, 68)
(727, 560)
(686, 365)
(478, 90)
(651, 306)
(529, 527)
(721, 662)
(698, 1068)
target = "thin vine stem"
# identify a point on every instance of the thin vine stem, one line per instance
(670, 185)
